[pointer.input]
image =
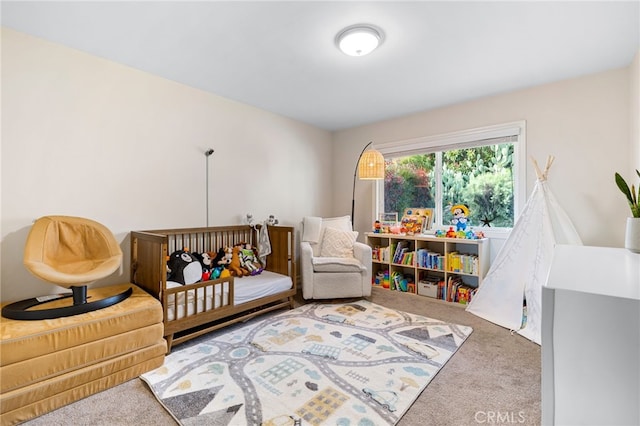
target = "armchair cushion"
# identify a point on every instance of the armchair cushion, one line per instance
(311, 228)
(337, 243)
(337, 264)
(314, 227)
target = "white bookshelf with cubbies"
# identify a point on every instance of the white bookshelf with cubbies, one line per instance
(449, 269)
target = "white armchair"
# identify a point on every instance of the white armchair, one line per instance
(333, 263)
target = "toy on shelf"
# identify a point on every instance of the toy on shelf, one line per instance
(470, 234)
(388, 223)
(382, 278)
(460, 214)
(417, 220)
(378, 279)
(450, 233)
(395, 229)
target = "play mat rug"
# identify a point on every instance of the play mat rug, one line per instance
(350, 364)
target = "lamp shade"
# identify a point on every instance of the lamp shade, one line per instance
(371, 165)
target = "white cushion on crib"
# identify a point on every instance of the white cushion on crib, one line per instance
(202, 303)
(246, 289)
(262, 285)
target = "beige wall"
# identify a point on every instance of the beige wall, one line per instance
(87, 137)
(583, 122)
(634, 114)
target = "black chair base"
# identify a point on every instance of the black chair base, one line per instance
(18, 310)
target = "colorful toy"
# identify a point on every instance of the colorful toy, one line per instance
(271, 221)
(206, 261)
(235, 267)
(395, 229)
(221, 259)
(216, 272)
(460, 213)
(183, 267)
(249, 259)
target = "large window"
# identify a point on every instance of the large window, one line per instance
(481, 169)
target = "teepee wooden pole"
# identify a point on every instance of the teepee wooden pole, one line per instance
(542, 175)
(537, 168)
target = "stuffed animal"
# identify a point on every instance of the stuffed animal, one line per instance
(216, 273)
(184, 268)
(206, 261)
(460, 214)
(272, 220)
(235, 266)
(220, 260)
(249, 259)
(224, 273)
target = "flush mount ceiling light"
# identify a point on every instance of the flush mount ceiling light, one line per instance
(359, 40)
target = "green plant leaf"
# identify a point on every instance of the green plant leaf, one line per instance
(624, 187)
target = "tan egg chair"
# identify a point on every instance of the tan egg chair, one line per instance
(70, 252)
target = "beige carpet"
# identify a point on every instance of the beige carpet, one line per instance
(493, 374)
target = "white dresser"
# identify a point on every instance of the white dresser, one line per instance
(591, 337)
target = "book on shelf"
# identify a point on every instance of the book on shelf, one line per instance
(457, 291)
(400, 281)
(380, 254)
(464, 263)
(426, 258)
(407, 258)
(401, 248)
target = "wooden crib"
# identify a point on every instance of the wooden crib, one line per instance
(195, 309)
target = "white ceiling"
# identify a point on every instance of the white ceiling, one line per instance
(281, 56)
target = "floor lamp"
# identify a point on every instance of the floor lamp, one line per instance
(370, 166)
(207, 154)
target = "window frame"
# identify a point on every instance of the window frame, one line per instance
(462, 139)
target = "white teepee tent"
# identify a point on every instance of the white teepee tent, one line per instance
(520, 268)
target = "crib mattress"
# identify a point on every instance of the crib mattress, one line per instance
(246, 289)
(23, 340)
(39, 398)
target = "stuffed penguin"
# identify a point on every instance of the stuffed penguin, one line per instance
(184, 268)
